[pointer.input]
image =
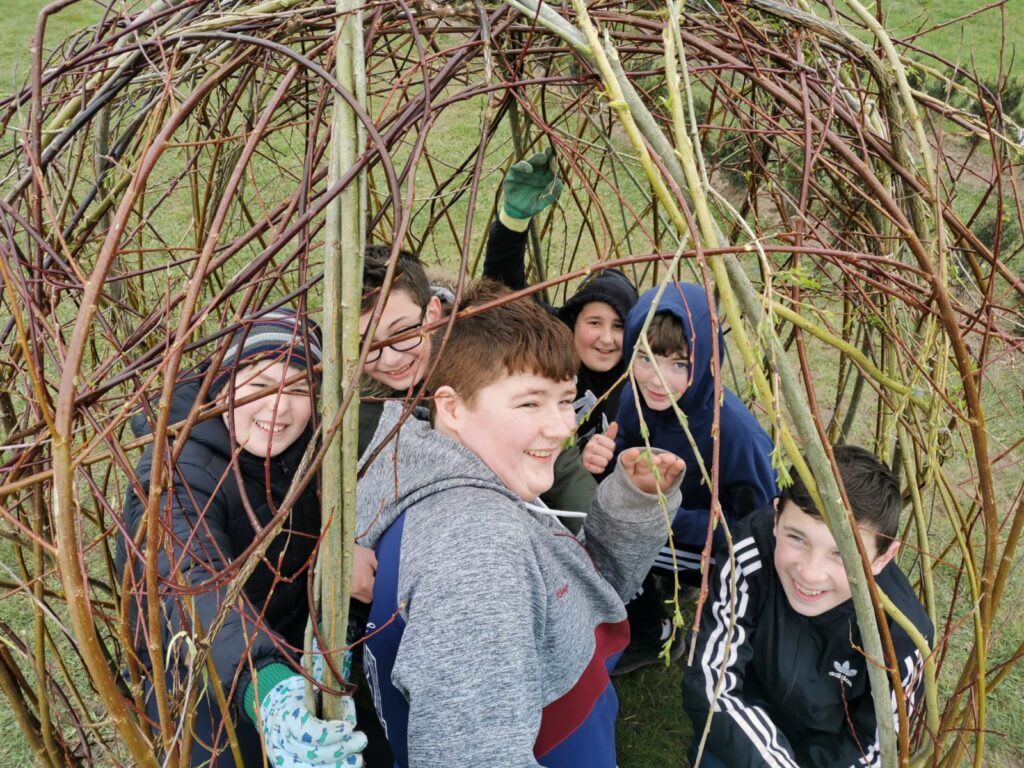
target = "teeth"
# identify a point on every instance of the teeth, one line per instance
(267, 427)
(809, 592)
(540, 454)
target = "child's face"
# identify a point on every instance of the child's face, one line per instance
(402, 365)
(516, 426)
(597, 336)
(267, 426)
(675, 370)
(808, 564)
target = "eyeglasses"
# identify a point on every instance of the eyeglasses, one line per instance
(406, 345)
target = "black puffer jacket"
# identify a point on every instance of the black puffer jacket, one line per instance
(206, 522)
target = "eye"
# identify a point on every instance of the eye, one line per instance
(795, 540)
(644, 359)
(681, 366)
(529, 404)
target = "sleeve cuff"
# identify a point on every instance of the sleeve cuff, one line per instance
(265, 678)
(516, 225)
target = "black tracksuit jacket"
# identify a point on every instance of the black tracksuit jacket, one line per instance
(209, 529)
(796, 690)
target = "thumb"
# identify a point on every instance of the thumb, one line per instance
(613, 430)
(629, 459)
(522, 168)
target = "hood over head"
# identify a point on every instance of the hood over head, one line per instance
(688, 303)
(610, 286)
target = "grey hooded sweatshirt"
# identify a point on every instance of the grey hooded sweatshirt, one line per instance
(493, 627)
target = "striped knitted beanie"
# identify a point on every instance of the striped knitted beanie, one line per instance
(277, 337)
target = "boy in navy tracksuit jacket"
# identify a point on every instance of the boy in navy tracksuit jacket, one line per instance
(794, 687)
(680, 337)
(493, 627)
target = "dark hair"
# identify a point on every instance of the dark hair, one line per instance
(516, 337)
(872, 489)
(666, 336)
(409, 276)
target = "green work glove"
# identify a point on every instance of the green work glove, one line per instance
(530, 186)
(295, 738)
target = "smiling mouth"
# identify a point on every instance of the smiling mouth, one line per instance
(542, 455)
(274, 429)
(400, 372)
(807, 594)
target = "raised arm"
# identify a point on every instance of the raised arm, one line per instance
(529, 187)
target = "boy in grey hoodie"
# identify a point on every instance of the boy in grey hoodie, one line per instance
(493, 628)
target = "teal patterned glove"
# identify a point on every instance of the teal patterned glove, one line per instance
(296, 739)
(530, 186)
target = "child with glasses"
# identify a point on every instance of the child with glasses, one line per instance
(679, 374)
(396, 369)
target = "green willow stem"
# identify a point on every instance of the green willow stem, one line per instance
(343, 275)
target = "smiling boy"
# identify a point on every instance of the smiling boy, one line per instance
(493, 627)
(680, 372)
(225, 489)
(397, 369)
(794, 684)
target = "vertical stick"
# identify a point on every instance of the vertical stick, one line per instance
(343, 271)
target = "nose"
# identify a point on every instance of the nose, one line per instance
(606, 335)
(389, 358)
(281, 404)
(812, 568)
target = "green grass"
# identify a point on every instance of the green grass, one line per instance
(973, 44)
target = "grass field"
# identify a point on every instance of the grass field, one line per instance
(652, 730)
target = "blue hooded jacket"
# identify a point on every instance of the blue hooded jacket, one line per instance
(746, 477)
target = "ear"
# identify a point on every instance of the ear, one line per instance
(433, 313)
(447, 410)
(884, 559)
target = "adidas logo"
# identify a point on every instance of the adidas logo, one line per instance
(843, 672)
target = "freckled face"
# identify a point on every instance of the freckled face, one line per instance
(267, 426)
(597, 336)
(516, 426)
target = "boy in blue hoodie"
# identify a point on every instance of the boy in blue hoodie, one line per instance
(680, 338)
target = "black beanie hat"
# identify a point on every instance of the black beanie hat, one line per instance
(610, 286)
(276, 336)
